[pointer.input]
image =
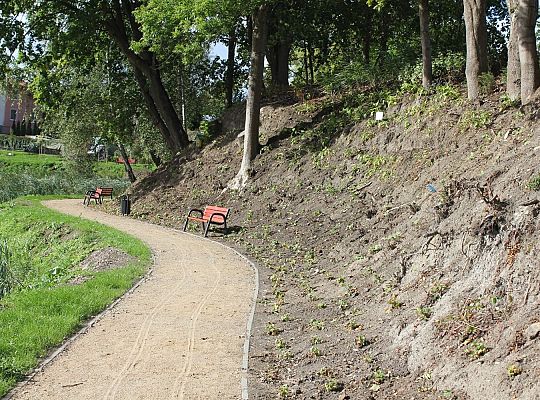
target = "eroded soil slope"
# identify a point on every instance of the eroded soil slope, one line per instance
(399, 259)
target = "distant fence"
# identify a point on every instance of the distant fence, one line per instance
(34, 144)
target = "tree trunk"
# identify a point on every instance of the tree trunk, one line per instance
(476, 38)
(229, 77)
(311, 66)
(513, 73)
(385, 34)
(306, 64)
(148, 76)
(253, 106)
(367, 39)
(166, 108)
(278, 59)
(427, 66)
(526, 15)
(156, 159)
(127, 165)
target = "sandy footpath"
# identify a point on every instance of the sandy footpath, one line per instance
(179, 335)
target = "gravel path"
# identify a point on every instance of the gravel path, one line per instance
(179, 335)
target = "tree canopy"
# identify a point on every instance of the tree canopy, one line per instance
(161, 51)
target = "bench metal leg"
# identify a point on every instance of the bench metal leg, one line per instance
(186, 224)
(206, 230)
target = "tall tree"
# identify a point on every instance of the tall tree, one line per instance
(231, 66)
(476, 39)
(427, 66)
(67, 30)
(279, 44)
(513, 72)
(253, 106)
(526, 16)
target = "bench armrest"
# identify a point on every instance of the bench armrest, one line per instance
(219, 215)
(195, 210)
(90, 193)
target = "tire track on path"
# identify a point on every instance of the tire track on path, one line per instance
(139, 345)
(179, 392)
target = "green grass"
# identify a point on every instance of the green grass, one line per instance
(38, 165)
(42, 310)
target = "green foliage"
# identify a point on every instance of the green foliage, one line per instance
(487, 83)
(424, 312)
(24, 174)
(476, 349)
(333, 385)
(16, 185)
(16, 162)
(40, 310)
(534, 183)
(6, 277)
(514, 370)
(476, 119)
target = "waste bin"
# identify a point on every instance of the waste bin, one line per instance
(125, 205)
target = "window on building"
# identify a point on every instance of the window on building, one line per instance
(13, 115)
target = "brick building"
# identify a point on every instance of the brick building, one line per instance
(16, 109)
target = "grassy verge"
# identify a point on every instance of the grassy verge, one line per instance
(41, 308)
(18, 162)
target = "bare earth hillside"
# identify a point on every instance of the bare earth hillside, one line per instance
(399, 259)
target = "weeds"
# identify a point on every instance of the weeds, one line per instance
(476, 349)
(379, 376)
(315, 340)
(272, 329)
(315, 351)
(394, 302)
(6, 277)
(474, 119)
(534, 183)
(361, 341)
(333, 385)
(514, 370)
(283, 391)
(317, 324)
(424, 313)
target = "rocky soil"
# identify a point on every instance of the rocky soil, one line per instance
(399, 259)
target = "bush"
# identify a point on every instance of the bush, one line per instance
(17, 185)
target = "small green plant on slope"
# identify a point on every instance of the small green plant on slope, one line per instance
(283, 391)
(333, 385)
(476, 349)
(272, 329)
(534, 183)
(424, 312)
(475, 119)
(514, 370)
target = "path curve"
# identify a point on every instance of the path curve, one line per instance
(179, 335)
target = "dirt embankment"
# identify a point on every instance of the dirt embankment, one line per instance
(399, 259)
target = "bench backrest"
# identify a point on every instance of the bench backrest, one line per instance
(106, 191)
(209, 210)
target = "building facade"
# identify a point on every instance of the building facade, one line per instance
(16, 110)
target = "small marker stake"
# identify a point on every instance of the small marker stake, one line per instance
(379, 116)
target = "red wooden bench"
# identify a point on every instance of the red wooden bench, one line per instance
(120, 160)
(97, 195)
(212, 215)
